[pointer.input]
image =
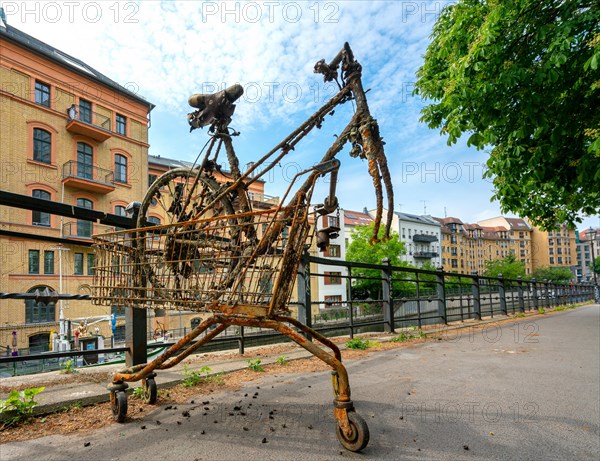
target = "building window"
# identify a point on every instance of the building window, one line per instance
(153, 220)
(551, 260)
(121, 124)
(42, 94)
(121, 168)
(85, 159)
(90, 264)
(151, 179)
(85, 111)
(48, 262)
(84, 228)
(333, 278)
(333, 251)
(39, 312)
(40, 218)
(42, 143)
(78, 264)
(333, 301)
(34, 261)
(334, 221)
(118, 311)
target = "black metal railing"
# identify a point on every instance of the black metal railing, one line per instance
(425, 238)
(91, 118)
(374, 298)
(84, 229)
(425, 254)
(73, 169)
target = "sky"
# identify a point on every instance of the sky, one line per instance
(166, 51)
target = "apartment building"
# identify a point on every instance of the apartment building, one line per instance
(69, 134)
(520, 238)
(554, 248)
(587, 250)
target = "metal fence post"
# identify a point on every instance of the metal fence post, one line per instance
(502, 294)
(304, 294)
(386, 291)
(546, 293)
(534, 294)
(136, 329)
(441, 294)
(520, 294)
(476, 296)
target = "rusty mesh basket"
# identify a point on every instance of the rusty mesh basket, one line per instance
(224, 263)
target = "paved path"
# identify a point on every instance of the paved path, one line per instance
(525, 391)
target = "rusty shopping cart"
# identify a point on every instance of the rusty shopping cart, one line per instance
(217, 255)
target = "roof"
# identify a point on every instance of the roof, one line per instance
(421, 219)
(76, 65)
(448, 220)
(356, 218)
(583, 235)
(517, 224)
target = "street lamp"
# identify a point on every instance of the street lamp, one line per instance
(592, 233)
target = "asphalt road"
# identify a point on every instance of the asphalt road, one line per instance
(525, 391)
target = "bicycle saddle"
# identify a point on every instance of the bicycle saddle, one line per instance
(213, 107)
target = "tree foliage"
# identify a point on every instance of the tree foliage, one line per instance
(509, 267)
(553, 274)
(595, 266)
(522, 76)
(360, 250)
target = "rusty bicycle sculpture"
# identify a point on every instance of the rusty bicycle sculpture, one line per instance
(216, 254)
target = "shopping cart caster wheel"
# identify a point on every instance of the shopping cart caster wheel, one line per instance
(359, 437)
(119, 406)
(150, 391)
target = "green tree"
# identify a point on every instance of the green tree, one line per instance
(523, 77)
(360, 250)
(595, 267)
(553, 274)
(509, 267)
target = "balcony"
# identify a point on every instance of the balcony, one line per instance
(426, 254)
(91, 124)
(84, 229)
(424, 238)
(87, 177)
(261, 201)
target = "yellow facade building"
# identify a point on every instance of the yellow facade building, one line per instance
(68, 134)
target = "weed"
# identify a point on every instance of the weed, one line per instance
(281, 360)
(357, 344)
(195, 377)
(560, 308)
(402, 337)
(69, 367)
(520, 315)
(421, 334)
(541, 310)
(255, 365)
(138, 393)
(19, 405)
(373, 343)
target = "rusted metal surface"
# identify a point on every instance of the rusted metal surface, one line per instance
(217, 255)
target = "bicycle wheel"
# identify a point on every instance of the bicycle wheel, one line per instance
(182, 194)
